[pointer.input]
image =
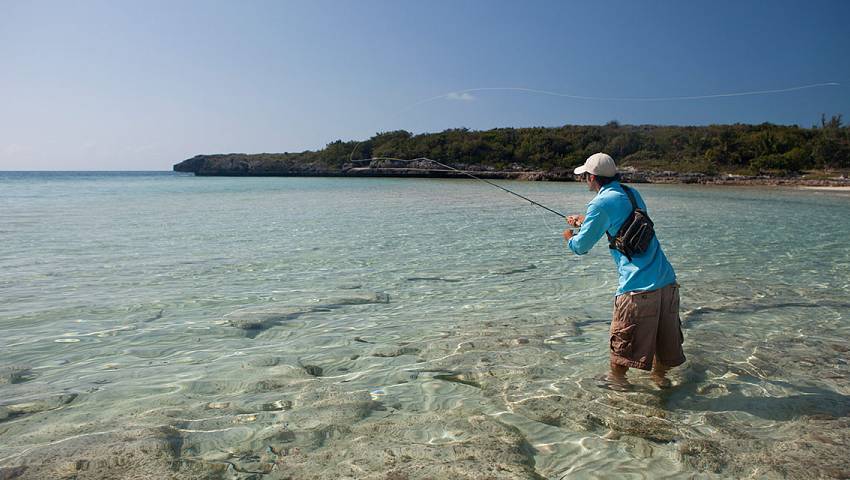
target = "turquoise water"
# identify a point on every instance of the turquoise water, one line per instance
(169, 326)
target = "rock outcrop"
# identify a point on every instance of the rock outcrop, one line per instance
(294, 165)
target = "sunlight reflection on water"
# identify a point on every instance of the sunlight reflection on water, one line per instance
(308, 326)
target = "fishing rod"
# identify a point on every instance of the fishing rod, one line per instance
(476, 178)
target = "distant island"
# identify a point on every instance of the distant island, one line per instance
(725, 154)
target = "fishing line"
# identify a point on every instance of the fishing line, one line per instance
(546, 222)
(471, 176)
(463, 94)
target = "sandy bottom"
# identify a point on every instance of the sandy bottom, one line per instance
(350, 329)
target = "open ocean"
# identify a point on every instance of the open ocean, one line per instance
(158, 325)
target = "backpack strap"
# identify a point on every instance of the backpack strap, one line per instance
(631, 196)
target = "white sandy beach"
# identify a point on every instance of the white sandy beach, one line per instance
(827, 188)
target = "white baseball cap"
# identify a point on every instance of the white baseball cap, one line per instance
(599, 164)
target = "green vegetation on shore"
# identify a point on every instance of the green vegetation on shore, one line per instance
(739, 148)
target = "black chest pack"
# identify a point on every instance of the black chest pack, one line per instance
(635, 234)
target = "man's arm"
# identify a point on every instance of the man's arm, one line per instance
(592, 228)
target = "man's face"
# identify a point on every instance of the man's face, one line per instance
(588, 178)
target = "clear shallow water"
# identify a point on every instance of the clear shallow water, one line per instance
(173, 326)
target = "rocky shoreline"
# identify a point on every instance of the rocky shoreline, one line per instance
(243, 165)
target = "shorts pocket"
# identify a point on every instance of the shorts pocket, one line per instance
(622, 341)
(623, 329)
(646, 304)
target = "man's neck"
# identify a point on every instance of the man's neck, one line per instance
(607, 185)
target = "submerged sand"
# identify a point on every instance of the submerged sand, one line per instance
(314, 329)
(288, 420)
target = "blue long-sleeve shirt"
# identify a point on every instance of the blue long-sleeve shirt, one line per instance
(607, 212)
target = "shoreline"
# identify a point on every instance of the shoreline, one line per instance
(628, 176)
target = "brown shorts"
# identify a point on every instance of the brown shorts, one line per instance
(646, 325)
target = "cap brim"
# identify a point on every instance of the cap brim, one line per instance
(580, 170)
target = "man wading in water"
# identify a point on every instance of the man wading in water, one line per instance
(645, 330)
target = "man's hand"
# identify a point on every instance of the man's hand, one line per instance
(568, 234)
(575, 220)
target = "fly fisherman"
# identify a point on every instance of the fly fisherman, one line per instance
(645, 329)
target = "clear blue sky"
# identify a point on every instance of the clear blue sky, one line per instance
(117, 85)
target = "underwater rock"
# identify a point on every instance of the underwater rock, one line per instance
(762, 425)
(253, 321)
(134, 453)
(41, 404)
(276, 406)
(369, 297)
(13, 373)
(703, 455)
(432, 279)
(313, 370)
(156, 317)
(261, 320)
(590, 408)
(650, 428)
(254, 466)
(315, 416)
(262, 361)
(812, 449)
(9, 473)
(512, 271)
(464, 379)
(395, 351)
(422, 446)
